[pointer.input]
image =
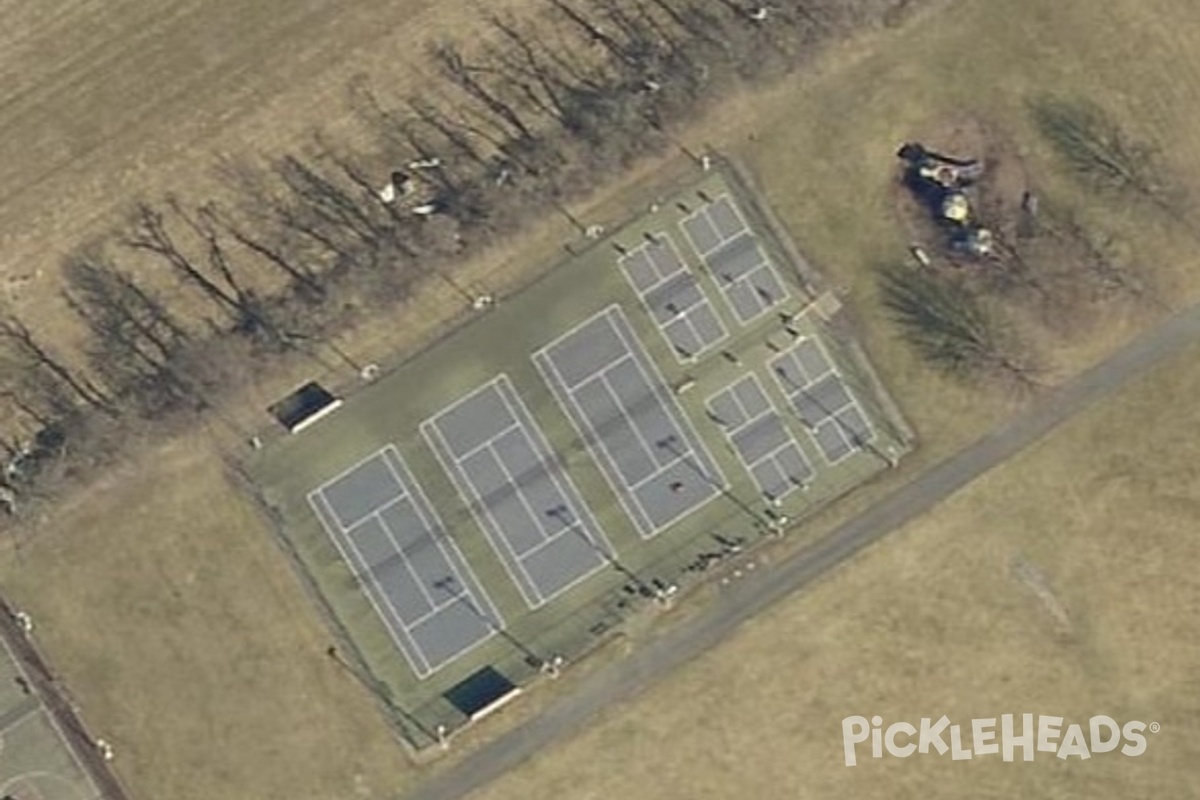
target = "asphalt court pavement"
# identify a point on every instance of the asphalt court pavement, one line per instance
(533, 516)
(617, 400)
(733, 254)
(822, 399)
(672, 296)
(766, 449)
(413, 574)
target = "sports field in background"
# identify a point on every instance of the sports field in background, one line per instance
(577, 453)
(36, 762)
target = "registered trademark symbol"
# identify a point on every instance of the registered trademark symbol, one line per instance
(1155, 727)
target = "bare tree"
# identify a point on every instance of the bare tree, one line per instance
(950, 329)
(39, 359)
(1102, 155)
(148, 233)
(275, 254)
(465, 76)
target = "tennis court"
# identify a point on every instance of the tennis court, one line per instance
(532, 484)
(614, 395)
(531, 512)
(753, 427)
(668, 290)
(417, 580)
(36, 759)
(821, 398)
(733, 254)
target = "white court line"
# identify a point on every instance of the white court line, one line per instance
(409, 490)
(766, 262)
(771, 410)
(831, 363)
(670, 404)
(791, 393)
(449, 549)
(432, 522)
(321, 488)
(763, 306)
(850, 448)
(616, 401)
(659, 469)
(434, 610)
(710, 406)
(680, 269)
(394, 540)
(371, 587)
(35, 708)
(702, 211)
(62, 737)
(686, 316)
(705, 346)
(549, 540)
(587, 432)
(555, 342)
(722, 240)
(518, 490)
(459, 459)
(555, 470)
(674, 413)
(482, 513)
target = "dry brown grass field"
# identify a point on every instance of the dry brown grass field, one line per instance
(936, 620)
(189, 644)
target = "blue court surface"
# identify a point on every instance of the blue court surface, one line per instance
(617, 400)
(416, 578)
(821, 398)
(757, 434)
(533, 515)
(671, 295)
(735, 257)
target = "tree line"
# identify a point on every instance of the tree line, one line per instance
(185, 295)
(1052, 267)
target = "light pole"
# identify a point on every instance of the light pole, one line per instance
(852, 435)
(668, 443)
(563, 515)
(447, 585)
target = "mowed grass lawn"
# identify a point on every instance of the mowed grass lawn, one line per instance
(189, 644)
(935, 620)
